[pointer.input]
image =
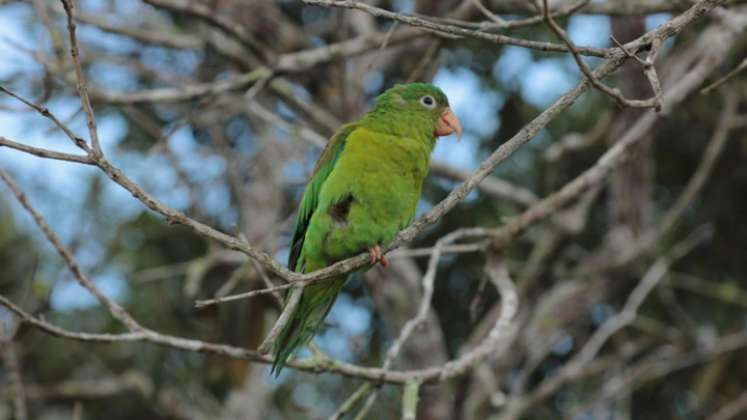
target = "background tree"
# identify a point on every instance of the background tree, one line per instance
(580, 254)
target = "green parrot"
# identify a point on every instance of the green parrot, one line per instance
(363, 190)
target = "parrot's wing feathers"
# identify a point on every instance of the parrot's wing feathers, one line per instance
(310, 198)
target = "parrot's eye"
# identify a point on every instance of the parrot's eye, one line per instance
(428, 101)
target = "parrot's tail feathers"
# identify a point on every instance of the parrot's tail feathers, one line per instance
(307, 318)
(287, 343)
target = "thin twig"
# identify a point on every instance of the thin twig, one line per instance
(628, 53)
(363, 412)
(45, 153)
(266, 280)
(487, 13)
(729, 75)
(240, 296)
(44, 112)
(428, 60)
(649, 67)
(80, 80)
(290, 306)
(352, 400)
(384, 43)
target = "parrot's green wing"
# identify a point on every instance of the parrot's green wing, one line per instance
(310, 200)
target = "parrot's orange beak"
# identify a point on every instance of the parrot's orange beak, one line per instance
(447, 124)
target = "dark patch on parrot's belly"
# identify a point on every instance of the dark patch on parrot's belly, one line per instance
(340, 210)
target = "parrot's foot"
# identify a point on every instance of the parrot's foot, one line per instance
(377, 256)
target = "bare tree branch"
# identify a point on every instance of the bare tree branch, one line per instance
(450, 31)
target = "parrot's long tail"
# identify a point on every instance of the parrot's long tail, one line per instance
(314, 305)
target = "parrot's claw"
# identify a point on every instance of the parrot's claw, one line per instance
(378, 256)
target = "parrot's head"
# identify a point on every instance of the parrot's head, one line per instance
(420, 103)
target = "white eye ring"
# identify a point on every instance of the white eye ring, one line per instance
(428, 101)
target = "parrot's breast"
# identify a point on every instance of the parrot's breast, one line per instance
(371, 194)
